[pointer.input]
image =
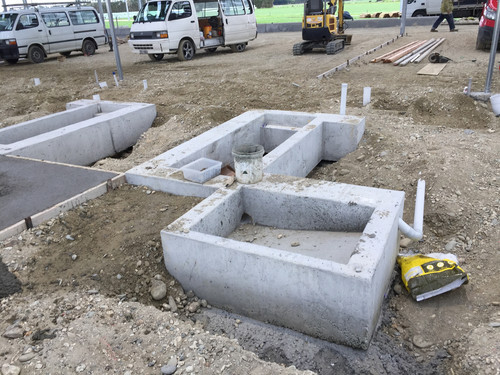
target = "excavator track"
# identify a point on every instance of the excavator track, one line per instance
(334, 46)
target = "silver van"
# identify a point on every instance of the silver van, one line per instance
(36, 32)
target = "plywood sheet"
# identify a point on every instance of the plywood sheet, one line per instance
(432, 69)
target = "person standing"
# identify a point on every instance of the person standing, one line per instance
(446, 13)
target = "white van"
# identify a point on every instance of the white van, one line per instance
(461, 8)
(35, 32)
(183, 26)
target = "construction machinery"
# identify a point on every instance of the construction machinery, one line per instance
(322, 28)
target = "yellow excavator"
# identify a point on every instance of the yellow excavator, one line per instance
(321, 28)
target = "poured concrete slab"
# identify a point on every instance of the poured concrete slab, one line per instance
(334, 294)
(28, 187)
(294, 143)
(86, 132)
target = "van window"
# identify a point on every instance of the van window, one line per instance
(153, 12)
(232, 7)
(181, 9)
(207, 9)
(83, 17)
(55, 19)
(7, 21)
(27, 21)
(248, 6)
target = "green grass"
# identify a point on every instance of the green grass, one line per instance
(294, 13)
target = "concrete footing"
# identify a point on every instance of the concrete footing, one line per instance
(86, 132)
(318, 288)
(309, 255)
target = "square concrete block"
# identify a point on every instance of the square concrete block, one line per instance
(313, 256)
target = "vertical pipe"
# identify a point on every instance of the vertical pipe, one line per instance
(366, 95)
(493, 51)
(343, 98)
(4, 4)
(115, 43)
(404, 5)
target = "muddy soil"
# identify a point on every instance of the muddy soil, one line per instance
(86, 304)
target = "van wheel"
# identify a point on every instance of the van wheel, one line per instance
(156, 56)
(11, 61)
(419, 13)
(36, 54)
(186, 50)
(88, 47)
(65, 54)
(238, 47)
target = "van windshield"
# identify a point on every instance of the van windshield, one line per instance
(153, 12)
(7, 21)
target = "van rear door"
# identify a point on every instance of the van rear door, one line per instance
(235, 22)
(61, 36)
(86, 23)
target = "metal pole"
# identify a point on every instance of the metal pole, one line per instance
(115, 43)
(139, 4)
(126, 7)
(493, 51)
(4, 6)
(404, 6)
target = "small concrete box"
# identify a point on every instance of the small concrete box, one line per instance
(304, 286)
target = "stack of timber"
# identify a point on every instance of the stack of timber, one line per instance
(412, 52)
(381, 15)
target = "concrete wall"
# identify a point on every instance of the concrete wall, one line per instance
(86, 132)
(332, 301)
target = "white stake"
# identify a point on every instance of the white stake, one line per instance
(343, 98)
(37, 81)
(96, 78)
(366, 95)
(116, 80)
(145, 83)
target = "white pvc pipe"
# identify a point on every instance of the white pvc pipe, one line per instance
(417, 232)
(366, 95)
(343, 99)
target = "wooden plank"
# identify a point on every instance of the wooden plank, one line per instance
(432, 69)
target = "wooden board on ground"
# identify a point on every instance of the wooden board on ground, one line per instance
(432, 69)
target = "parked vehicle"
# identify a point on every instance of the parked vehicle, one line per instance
(461, 8)
(486, 25)
(36, 32)
(183, 26)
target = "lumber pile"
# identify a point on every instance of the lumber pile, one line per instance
(412, 52)
(381, 15)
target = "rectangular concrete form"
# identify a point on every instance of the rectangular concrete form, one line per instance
(313, 293)
(86, 132)
(294, 143)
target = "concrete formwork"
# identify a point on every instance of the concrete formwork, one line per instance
(328, 283)
(295, 287)
(294, 143)
(86, 132)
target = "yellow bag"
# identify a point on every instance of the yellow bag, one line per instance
(428, 275)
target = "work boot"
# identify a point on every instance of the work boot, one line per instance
(434, 31)
(453, 30)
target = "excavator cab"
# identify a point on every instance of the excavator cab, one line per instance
(321, 28)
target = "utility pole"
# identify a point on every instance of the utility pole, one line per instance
(115, 43)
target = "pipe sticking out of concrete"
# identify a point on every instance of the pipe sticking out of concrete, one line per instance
(343, 99)
(416, 233)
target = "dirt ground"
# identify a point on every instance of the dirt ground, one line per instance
(86, 275)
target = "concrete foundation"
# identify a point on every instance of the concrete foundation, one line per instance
(86, 132)
(309, 255)
(328, 290)
(294, 143)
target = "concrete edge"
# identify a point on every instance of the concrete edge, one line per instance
(66, 205)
